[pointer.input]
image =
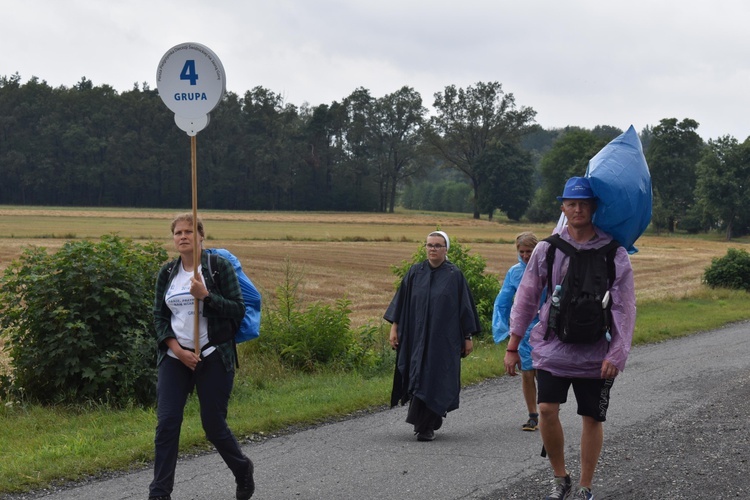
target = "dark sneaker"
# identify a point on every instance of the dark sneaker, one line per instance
(438, 424)
(427, 435)
(560, 489)
(583, 493)
(246, 484)
(163, 497)
(530, 425)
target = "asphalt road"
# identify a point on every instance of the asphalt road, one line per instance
(678, 427)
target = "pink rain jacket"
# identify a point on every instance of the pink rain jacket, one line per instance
(574, 360)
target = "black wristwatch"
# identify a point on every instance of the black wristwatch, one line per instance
(207, 299)
(468, 337)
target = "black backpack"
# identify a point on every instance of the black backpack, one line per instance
(584, 313)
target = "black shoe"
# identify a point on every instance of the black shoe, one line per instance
(438, 424)
(163, 497)
(531, 425)
(246, 484)
(427, 435)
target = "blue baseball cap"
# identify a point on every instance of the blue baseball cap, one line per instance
(577, 188)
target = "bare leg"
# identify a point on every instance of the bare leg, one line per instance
(528, 385)
(592, 437)
(552, 436)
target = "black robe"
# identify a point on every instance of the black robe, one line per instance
(434, 310)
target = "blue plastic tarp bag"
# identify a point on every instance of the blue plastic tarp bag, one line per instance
(250, 325)
(621, 181)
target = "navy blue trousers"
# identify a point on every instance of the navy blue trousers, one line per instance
(213, 384)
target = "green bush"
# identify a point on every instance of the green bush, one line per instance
(78, 323)
(730, 271)
(315, 337)
(484, 287)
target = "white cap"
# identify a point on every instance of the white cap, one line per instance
(445, 237)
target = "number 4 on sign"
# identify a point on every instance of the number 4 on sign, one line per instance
(189, 73)
(185, 84)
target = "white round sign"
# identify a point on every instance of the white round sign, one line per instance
(191, 80)
(192, 125)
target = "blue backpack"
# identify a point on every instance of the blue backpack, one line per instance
(249, 328)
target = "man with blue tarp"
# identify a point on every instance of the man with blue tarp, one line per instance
(589, 367)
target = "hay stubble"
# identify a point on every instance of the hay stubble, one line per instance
(326, 247)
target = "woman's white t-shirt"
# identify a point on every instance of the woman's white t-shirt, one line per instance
(182, 305)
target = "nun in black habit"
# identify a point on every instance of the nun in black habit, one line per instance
(433, 318)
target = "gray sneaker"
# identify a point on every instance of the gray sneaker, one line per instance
(583, 493)
(561, 488)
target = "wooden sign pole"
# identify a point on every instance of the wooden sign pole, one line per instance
(196, 242)
(191, 82)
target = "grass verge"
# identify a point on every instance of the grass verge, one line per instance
(40, 446)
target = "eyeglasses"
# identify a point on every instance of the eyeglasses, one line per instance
(434, 247)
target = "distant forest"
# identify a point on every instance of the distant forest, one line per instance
(477, 151)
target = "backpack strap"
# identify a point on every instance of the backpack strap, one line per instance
(213, 271)
(172, 270)
(610, 250)
(213, 268)
(555, 242)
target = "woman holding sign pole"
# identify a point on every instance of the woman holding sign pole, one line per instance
(209, 368)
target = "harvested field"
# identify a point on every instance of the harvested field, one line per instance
(344, 255)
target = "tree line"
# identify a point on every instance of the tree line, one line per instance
(477, 151)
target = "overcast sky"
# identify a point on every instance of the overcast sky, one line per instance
(585, 63)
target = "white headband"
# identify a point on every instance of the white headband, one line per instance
(445, 237)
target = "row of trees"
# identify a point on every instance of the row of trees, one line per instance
(93, 146)
(698, 186)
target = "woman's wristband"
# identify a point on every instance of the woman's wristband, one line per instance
(511, 350)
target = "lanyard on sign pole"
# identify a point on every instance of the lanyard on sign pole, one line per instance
(191, 82)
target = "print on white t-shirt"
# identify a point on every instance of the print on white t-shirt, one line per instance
(182, 305)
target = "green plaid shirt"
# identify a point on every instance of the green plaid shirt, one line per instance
(226, 303)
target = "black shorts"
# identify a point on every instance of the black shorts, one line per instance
(592, 394)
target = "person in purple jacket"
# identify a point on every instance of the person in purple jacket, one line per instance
(589, 368)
